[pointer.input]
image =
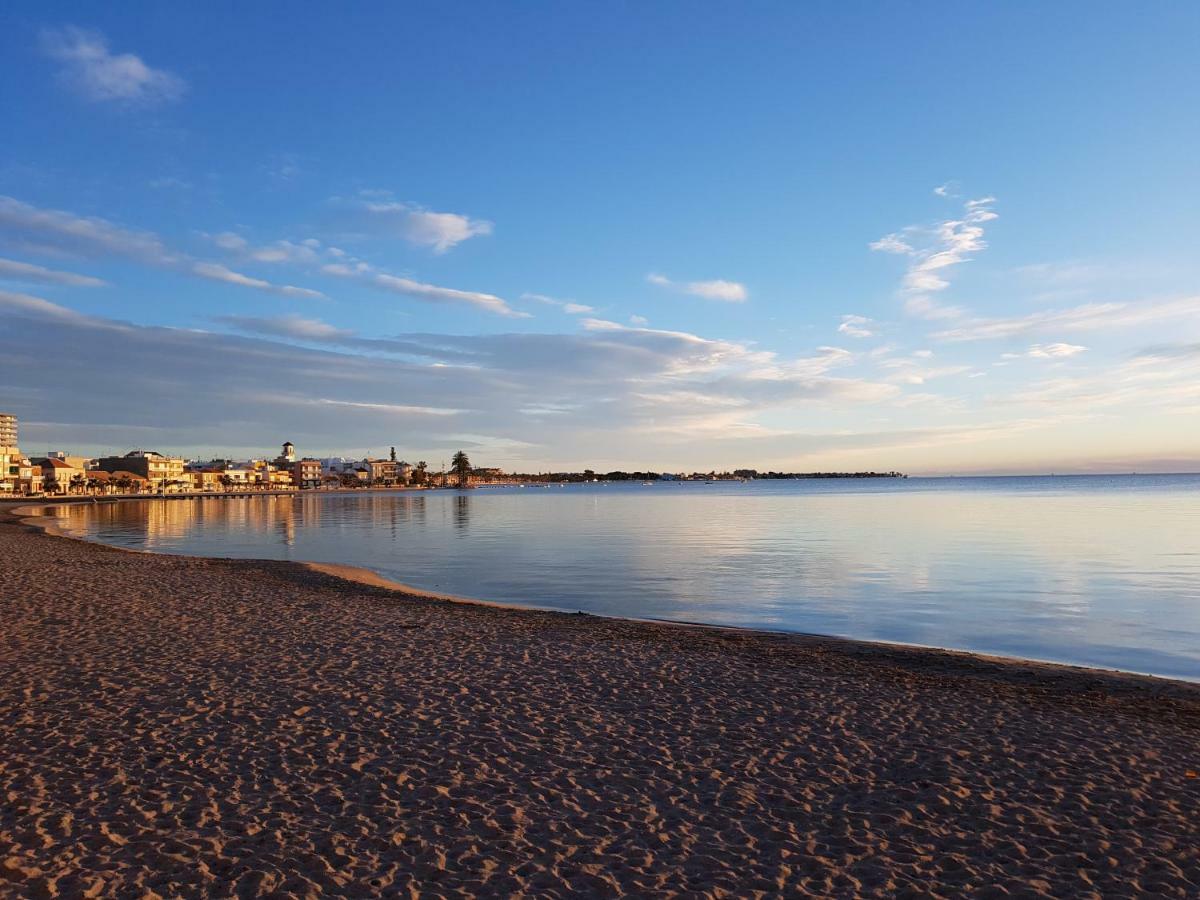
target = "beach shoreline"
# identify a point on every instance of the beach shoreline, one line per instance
(183, 725)
(366, 577)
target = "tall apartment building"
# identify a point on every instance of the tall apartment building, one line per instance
(17, 474)
(8, 430)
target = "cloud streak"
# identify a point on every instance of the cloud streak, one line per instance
(430, 293)
(217, 272)
(570, 307)
(306, 251)
(63, 233)
(1088, 317)
(717, 289)
(14, 270)
(60, 233)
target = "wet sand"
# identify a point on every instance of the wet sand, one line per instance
(177, 726)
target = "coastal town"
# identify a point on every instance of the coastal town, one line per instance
(139, 471)
(148, 472)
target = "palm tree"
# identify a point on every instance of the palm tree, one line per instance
(461, 467)
(419, 475)
(49, 485)
(124, 483)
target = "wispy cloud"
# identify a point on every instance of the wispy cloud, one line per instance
(407, 287)
(292, 326)
(1055, 351)
(912, 371)
(14, 270)
(1088, 317)
(717, 289)
(306, 251)
(891, 243)
(856, 326)
(217, 272)
(933, 251)
(90, 68)
(1143, 382)
(27, 305)
(570, 307)
(439, 231)
(65, 234)
(1171, 351)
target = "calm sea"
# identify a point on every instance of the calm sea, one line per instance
(1092, 570)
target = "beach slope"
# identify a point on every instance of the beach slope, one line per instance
(178, 726)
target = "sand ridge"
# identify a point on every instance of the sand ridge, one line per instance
(182, 727)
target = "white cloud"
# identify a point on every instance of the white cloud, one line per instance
(217, 272)
(570, 307)
(431, 293)
(94, 71)
(440, 231)
(948, 244)
(1088, 317)
(640, 321)
(11, 269)
(891, 243)
(1054, 351)
(278, 252)
(717, 289)
(856, 326)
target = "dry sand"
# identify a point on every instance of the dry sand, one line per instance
(174, 726)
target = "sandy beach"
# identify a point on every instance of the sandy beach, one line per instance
(172, 726)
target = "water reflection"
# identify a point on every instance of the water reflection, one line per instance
(1092, 572)
(462, 512)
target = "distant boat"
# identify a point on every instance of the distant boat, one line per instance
(647, 484)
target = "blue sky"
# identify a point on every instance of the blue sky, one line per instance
(935, 237)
